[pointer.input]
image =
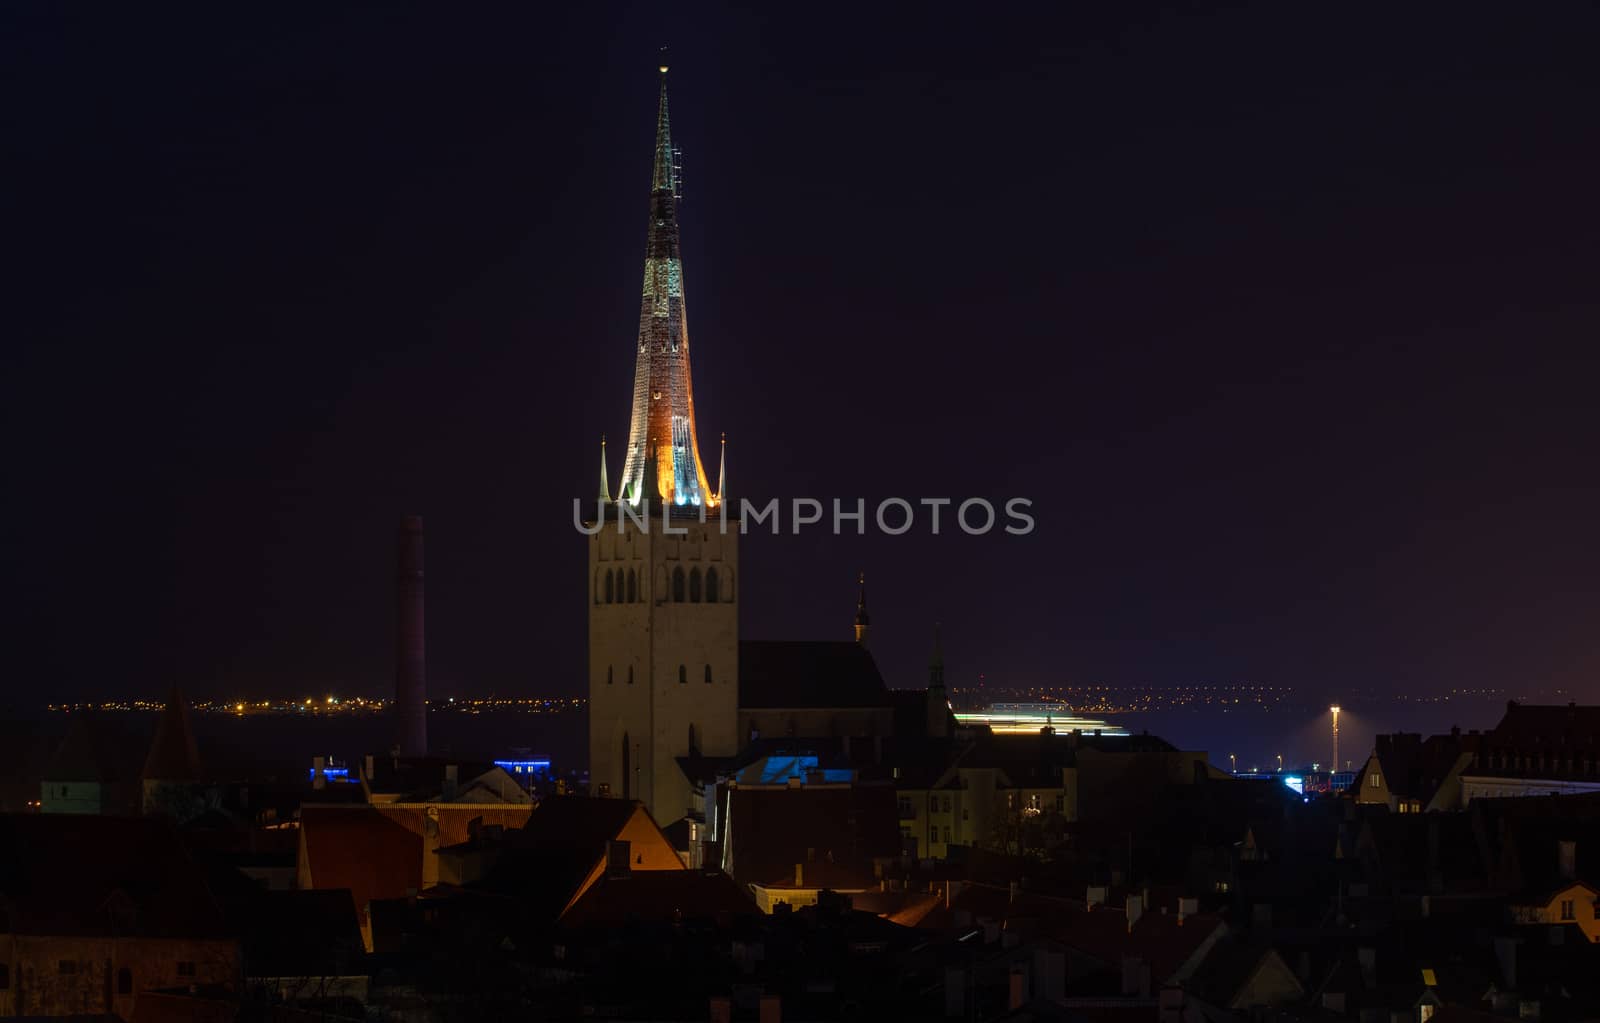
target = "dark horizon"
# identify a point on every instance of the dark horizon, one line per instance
(1283, 320)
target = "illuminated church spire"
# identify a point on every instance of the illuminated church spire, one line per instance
(605, 485)
(663, 459)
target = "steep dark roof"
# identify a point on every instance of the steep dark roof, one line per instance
(806, 674)
(1414, 768)
(71, 874)
(659, 896)
(82, 756)
(548, 859)
(173, 755)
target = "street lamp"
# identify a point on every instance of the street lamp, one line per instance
(1335, 711)
(1233, 763)
(1280, 763)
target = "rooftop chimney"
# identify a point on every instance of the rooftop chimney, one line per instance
(411, 663)
(619, 862)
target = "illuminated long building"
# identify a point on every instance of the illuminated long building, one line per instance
(1017, 718)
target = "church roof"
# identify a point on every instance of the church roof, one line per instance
(808, 673)
(173, 755)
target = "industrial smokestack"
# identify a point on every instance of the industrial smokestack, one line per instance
(411, 662)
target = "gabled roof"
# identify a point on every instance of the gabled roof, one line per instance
(562, 849)
(658, 896)
(173, 755)
(1414, 768)
(808, 674)
(72, 874)
(360, 849)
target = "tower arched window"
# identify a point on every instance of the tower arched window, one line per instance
(124, 981)
(608, 674)
(677, 584)
(708, 674)
(630, 674)
(610, 588)
(683, 674)
(633, 586)
(713, 592)
(694, 586)
(694, 747)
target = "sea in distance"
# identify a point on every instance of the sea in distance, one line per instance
(282, 745)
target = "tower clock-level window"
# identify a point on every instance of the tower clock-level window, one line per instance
(610, 588)
(630, 674)
(708, 674)
(124, 981)
(683, 674)
(713, 592)
(694, 586)
(633, 586)
(677, 584)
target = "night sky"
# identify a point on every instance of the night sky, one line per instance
(1285, 318)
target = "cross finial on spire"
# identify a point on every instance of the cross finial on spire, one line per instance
(662, 53)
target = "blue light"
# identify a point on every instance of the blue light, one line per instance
(1296, 783)
(519, 766)
(331, 772)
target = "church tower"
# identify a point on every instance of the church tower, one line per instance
(663, 585)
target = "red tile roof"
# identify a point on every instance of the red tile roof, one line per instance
(360, 849)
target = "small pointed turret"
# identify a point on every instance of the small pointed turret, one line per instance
(605, 486)
(862, 619)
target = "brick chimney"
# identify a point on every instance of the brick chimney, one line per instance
(619, 858)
